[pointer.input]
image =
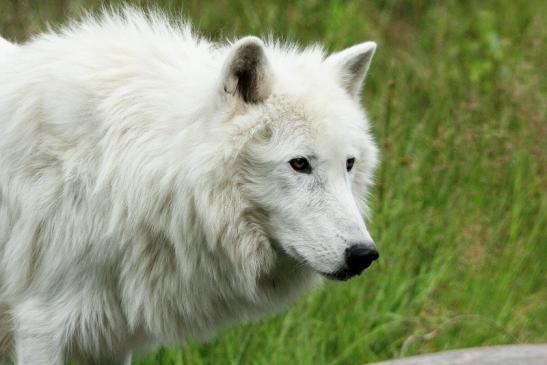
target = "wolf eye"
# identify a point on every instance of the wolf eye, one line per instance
(349, 163)
(300, 164)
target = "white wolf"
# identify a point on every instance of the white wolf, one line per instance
(155, 186)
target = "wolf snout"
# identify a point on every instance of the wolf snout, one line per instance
(359, 256)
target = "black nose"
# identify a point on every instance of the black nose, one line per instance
(360, 256)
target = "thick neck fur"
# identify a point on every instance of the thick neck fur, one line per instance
(241, 275)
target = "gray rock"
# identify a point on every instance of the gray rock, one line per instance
(495, 355)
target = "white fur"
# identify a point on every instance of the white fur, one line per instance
(144, 201)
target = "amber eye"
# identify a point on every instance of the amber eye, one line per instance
(349, 163)
(300, 164)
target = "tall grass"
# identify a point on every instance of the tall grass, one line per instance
(458, 97)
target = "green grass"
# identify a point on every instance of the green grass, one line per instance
(458, 97)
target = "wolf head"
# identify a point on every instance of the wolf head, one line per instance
(306, 156)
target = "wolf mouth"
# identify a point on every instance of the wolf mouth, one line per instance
(340, 275)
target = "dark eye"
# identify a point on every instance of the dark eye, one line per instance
(301, 164)
(349, 163)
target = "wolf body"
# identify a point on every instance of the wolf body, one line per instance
(156, 187)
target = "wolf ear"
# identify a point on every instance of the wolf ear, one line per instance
(246, 72)
(351, 66)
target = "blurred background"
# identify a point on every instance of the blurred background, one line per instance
(457, 95)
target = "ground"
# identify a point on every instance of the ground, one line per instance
(457, 93)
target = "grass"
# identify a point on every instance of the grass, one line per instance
(458, 97)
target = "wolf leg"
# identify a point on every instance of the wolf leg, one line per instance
(128, 359)
(36, 341)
